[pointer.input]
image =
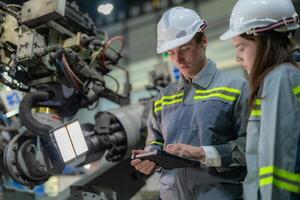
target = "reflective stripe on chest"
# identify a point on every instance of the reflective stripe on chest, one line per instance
(222, 93)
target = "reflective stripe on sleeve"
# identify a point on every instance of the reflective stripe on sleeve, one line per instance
(157, 142)
(256, 111)
(280, 178)
(296, 91)
(280, 184)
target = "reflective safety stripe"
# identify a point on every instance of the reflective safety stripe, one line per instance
(256, 111)
(222, 96)
(167, 100)
(279, 172)
(226, 93)
(227, 89)
(258, 102)
(172, 102)
(172, 97)
(158, 109)
(157, 142)
(296, 91)
(280, 178)
(280, 184)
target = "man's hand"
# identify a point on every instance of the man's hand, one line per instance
(144, 166)
(187, 151)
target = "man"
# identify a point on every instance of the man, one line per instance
(202, 116)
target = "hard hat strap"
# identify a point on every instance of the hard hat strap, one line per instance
(285, 21)
(203, 26)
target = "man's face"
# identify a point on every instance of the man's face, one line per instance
(245, 52)
(190, 57)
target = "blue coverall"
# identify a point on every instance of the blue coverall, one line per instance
(210, 111)
(273, 138)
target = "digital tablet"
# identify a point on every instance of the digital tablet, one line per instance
(167, 160)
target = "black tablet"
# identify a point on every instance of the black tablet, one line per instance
(167, 160)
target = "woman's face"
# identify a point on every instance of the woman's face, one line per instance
(245, 52)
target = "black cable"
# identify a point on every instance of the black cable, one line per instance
(95, 106)
(116, 81)
(29, 101)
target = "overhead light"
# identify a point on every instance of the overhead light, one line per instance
(105, 9)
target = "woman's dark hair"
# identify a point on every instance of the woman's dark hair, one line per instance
(272, 49)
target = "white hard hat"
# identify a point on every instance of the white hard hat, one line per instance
(177, 27)
(254, 16)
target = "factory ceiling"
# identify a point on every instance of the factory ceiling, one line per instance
(123, 9)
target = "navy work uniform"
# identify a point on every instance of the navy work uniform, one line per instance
(273, 138)
(211, 112)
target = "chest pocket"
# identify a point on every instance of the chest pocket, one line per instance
(214, 118)
(182, 116)
(215, 113)
(178, 123)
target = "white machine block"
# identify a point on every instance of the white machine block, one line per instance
(71, 143)
(77, 138)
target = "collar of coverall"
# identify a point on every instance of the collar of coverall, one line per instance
(202, 79)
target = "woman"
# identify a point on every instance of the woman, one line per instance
(261, 31)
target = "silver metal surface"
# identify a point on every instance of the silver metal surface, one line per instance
(30, 43)
(35, 12)
(131, 119)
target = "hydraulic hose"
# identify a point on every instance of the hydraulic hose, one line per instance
(28, 102)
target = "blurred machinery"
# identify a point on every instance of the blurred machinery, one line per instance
(53, 53)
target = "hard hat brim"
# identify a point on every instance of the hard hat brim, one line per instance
(228, 35)
(289, 27)
(173, 44)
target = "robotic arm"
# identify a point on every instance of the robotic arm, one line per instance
(31, 160)
(54, 53)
